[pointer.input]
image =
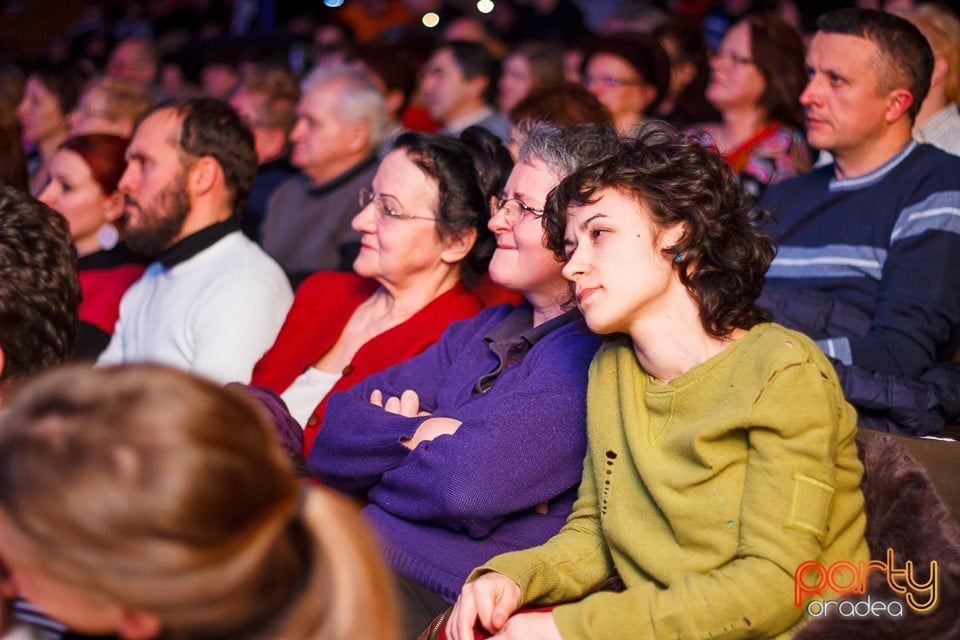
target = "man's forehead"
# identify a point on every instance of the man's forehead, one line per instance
(162, 125)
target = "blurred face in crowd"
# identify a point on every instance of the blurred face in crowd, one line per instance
(447, 93)
(320, 136)
(39, 111)
(618, 86)
(516, 81)
(735, 81)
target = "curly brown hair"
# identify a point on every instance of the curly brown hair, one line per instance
(726, 247)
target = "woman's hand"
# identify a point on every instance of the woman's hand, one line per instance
(530, 626)
(430, 429)
(489, 600)
(408, 405)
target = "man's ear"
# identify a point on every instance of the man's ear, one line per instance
(940, 70)
(114, 207)
(648, 93)
(476, 86)
(138, 625)
(203, 175)
(457, 247)
(899, 103)
(358, 136)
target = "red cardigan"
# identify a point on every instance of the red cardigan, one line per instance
(321, 309)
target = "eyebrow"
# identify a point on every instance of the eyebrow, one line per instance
(583, 224)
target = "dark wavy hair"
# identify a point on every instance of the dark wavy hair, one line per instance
(212, 128)
(726, 248)
(39, 286)
(469, 172)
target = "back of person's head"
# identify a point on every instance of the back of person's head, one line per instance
(124, 101)
(104, 154)
(778, 52)
(357, 97)
(39, 286)
(164, 494)
(475, 61)
(279, 86)
(469, 172)
(563, 150)
(211, 127)
(725, 247)
(562, 105)
(395, 64)
(904, 58)
(942, 30)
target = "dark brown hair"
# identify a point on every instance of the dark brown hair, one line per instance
(726, 248)
(778, 52)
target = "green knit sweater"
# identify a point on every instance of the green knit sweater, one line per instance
(704, 494)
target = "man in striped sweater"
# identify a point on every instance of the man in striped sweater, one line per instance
(865, 243)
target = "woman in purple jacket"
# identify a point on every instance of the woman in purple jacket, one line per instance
(475, 447)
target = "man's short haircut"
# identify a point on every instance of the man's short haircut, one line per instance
(904, 60)
(279, 85)
(39, 286)
(474, 60)
(358, 98)
(124, 99)
(212, 128)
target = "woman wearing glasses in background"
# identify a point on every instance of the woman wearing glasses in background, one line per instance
(756, 77)
(474, 447)
(424, 242)
(630, 75)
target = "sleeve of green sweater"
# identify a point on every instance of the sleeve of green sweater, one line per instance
(788, 489)
(572, 563)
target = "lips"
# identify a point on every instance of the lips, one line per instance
(583, 294)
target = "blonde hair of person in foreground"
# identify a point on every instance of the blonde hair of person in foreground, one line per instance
(147, 502)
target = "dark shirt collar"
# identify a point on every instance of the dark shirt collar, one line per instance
(513, 338)
(339, 181)
(197, 242)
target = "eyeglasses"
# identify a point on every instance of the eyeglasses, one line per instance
(513, 209)
(386, 206)
(734, 58)
(610, 81)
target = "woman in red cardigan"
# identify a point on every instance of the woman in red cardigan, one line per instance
(424, 240)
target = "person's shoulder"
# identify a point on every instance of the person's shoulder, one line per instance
(771, 347)
(332, 286)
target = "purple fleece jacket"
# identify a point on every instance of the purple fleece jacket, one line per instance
(451, 504)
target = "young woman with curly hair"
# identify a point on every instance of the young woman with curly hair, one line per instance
(720, 451)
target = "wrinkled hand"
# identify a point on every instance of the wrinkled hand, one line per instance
(489, 600)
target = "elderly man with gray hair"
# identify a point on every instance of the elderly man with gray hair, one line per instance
(340, 124)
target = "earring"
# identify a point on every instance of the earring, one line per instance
(678, 258)
(108, 237)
